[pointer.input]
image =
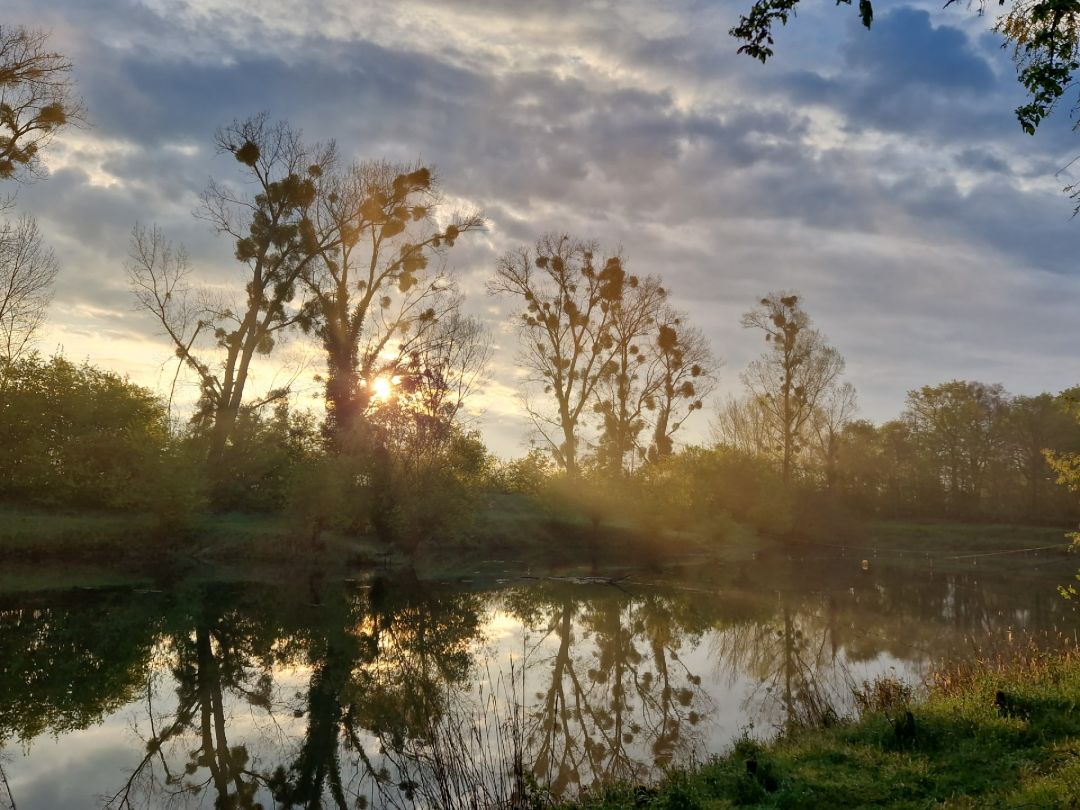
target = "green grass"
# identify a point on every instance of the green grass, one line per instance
(44, 550)
(28, 532)
(513, 535)
(963, 750)
(954, 547)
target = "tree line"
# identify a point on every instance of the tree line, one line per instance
(960, 449)
(355, 256)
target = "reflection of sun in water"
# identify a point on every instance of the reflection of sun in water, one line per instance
(382, 388)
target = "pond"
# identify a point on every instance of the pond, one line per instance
(388, 691)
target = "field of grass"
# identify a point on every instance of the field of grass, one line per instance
(949, 547)
(1002, 736)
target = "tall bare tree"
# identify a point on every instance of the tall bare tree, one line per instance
(686, 373)
(37, 98)
(27, 271)
(832, 414)
(371, 292)
(630, 380)
(793, 375)
(568, 294)
(451, 367)
(275, 238)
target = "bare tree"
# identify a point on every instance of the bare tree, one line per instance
(37, 98)
(686, 374)
(793, 375)
(158, 276)
(275, 239)
(741, 425)
(833, 412)
(631, 379)
(426, 404)
(27, 271)
(565, 328)
(370, 283)
(451, 367)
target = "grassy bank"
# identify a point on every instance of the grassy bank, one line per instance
(511, 536)
(947, 547)
(45, 549)
(1001, 735)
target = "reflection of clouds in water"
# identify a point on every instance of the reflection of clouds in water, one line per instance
(610, 682)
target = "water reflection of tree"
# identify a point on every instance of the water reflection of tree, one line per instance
(225, 644)
(817, 620)
(68, 661)
(383, 674)
(381, 662)
(614, 697)
(793, 659)
(609, 692)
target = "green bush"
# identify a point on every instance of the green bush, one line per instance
(78, 436)
(705, 489)
(263, 455)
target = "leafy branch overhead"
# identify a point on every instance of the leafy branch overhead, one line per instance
(1044, 36)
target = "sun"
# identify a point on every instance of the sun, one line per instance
(382, 388)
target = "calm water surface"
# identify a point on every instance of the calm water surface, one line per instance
(320, 693)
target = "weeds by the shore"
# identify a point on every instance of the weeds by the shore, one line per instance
(1003, 732)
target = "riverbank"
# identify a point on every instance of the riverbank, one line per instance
(44, 549)
(1002, 734)
(511, 537)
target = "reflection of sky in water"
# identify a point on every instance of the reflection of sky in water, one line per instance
(727, 665)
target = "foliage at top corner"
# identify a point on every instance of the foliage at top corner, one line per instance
(1044, 36)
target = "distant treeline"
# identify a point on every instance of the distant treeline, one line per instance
(960, 450)
(77, 437)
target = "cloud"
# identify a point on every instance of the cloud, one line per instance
(881, 172)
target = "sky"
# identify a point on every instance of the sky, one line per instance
(880, 173)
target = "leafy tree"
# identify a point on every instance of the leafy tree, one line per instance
(860, 467)
(37, 98)
(707, 488)
(526, 475)
(1065, 462)
(76, 435)
(568, 298)
(1035, 426)
(961, 449)
(793, 377)
(268, 448)
(1044, 35)
(960, 428)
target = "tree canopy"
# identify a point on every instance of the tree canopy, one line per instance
(1044, 36)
